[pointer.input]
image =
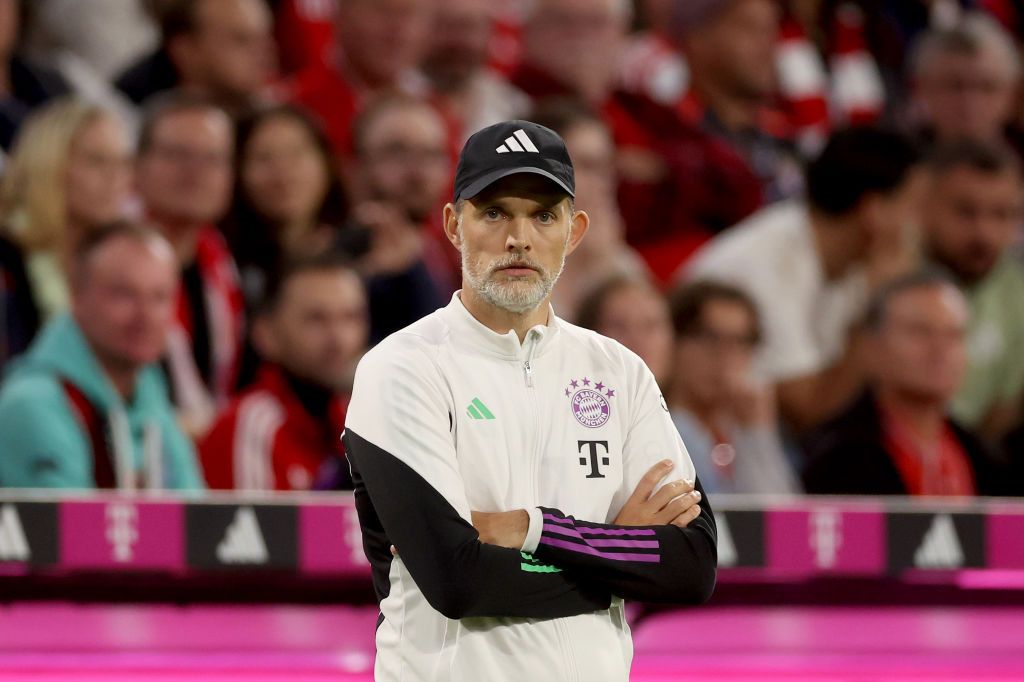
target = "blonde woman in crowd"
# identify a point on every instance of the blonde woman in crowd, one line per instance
(68, 174)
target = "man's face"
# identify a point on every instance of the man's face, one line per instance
(124, 300)
(458, 42)
(319, 328)
(231, 52)
(972, 218)
(514, 238)
(593, 158)
(736, 50)
(382, 39)
(920, 349)
(185, 175)
(638, 318)
(405, 159)
(895, 217)
(967, 95)
(717, 356)
(577, 42)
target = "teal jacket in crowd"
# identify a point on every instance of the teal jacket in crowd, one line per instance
(44, 443)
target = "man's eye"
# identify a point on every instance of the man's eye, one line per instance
(493, 214)
(546, 217)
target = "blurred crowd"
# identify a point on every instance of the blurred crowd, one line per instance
(806, 218)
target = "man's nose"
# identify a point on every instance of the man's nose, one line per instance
(518, 238)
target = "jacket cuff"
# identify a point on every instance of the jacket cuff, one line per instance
(533, 533)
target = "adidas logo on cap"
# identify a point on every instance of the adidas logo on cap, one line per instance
(512, 144)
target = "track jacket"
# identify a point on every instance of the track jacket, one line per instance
(449, 417)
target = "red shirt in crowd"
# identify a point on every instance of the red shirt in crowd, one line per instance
(268, 439)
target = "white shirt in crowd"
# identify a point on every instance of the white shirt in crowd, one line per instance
(772, 257)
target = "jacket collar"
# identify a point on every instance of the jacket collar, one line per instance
(474, 337)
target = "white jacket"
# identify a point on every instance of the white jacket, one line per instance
(448, 416)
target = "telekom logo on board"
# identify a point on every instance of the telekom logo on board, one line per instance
(122, 530)
(826, 537)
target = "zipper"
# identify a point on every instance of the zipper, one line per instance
(533, 464)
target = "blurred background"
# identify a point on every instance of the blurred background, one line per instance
(807, 218)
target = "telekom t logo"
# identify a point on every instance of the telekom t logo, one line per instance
(594, 461)
(826, 537)
(122, 530)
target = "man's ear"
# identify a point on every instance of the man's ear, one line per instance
(451, 225)
(264, 340)
(579, 227)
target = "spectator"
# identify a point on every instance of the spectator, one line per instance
(379, 45)
(456, 66)
(288, 199)
(725, 416)
(965, 81)
(604, 253)
(657, 154)
(93, 372)
(399, 175)
(636, 315)
(184, 176)
(897, 438)
(222, 50)
(23, 86)
(730, 48)
(284, 432)
(106, 35)
(973, 215)
(68, 174)
(809, 266)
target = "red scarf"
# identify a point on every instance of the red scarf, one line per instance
(940, 468)
(225, 321)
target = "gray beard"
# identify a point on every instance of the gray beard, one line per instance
(516, 297)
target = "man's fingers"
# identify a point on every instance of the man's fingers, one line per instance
(684, 519)
(394, 552)
(651, 478)
(668, 492)
(678, 506)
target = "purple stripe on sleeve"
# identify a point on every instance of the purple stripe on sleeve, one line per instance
(555, 519)
(595, 542)
(615, 531)
(637, 544)
(599, 531)
(584, 549)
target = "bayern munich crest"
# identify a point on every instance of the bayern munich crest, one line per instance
(590, 402)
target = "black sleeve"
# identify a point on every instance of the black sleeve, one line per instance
(658, 564)
(459, 575)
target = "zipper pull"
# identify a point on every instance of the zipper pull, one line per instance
(528, 373)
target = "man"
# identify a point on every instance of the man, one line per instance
(974, 210)
(219, 49)
(456, 65)
(379, 45)
(464, 424)
(723, 413)
(184, 175)
(897, 438)
(398, 174)
(809, 266)
(965, 80)
(730, 49)
(284, 432)
(87, 406)
(657, 153)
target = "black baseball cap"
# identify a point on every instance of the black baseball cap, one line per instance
(508, 148)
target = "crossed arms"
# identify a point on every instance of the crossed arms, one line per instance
(409, 493)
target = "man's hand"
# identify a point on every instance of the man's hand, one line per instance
(675, 503)
(505, 529)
